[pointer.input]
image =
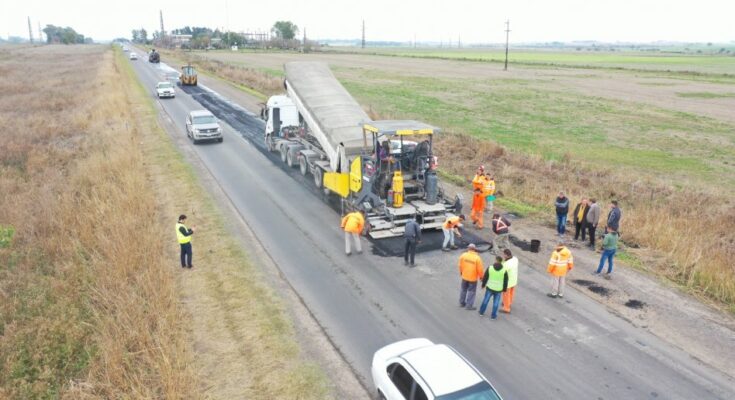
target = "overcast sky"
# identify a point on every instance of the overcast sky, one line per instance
(399, 20)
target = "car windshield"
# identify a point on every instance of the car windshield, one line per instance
(205, 119)
(165, 85)
(480, 391)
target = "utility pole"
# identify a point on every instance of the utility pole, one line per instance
(363, 33)
(163, 32)
(459, 41)
(40, 33)
(414, 40)
(507, 34)
(30, 31)
(303, 45)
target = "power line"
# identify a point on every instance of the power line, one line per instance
(507, 34)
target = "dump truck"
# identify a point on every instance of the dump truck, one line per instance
(385, 168)
(188, 75)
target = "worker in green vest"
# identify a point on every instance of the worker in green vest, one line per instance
(183, 234)
(495, 282)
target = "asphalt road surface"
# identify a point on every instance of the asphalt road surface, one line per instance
(547, 349)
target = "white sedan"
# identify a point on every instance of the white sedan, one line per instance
(165, 89)
(133, 56)
(418, 369)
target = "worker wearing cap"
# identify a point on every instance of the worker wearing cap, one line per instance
(478, 197)
(470, 269)
(450, 228)
(183, 234)
(353, 224)
(560, 263)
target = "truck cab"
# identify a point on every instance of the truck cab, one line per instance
(281, 116)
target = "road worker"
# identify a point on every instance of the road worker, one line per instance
(489, 191)
(450, 228)
(470, 269)
(478, 197)
(560, 263)
(510, 263)
(353, 224)
(501, 229)
(183, 234)
(495, 282)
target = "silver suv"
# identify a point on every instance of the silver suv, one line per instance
(202, 125)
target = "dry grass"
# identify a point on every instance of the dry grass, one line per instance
(88, 305)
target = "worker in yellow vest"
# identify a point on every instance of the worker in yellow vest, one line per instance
(183, 234)
(510, 263)
(353, 224)
(560, 263)
(495, 282)
(489, 191)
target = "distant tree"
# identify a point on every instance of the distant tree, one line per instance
(59, 35)
(285, 30)
(140, 36)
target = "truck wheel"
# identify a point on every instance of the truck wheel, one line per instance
(289, 159)
(318, 180)
(303, 167)
(284, 153)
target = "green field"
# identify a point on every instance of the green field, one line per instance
(655, 61)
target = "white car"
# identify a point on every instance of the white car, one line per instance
(133, 56)
(418, 369)
(165, 89)
(202, 125)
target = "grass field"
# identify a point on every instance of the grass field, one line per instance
(654, 61)
(662, 143)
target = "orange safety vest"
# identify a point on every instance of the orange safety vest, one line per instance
(451, 223)
(470, 266)
(561, 262)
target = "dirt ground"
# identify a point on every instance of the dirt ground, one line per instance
(653, 89)
(642, 299)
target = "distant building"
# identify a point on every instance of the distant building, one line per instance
(178, 40)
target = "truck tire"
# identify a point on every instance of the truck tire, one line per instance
(303, 166)
(284, 153)
(289, 159)
(318, 178)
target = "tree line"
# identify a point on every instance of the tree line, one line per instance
(58, 35)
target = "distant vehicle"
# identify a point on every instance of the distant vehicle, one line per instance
(125, 49)
(133, 56)
(418, 369)
(154, 57)
(188, 75)
(202, 125)
(165, 89)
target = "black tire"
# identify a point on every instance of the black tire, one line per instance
(194, 140)
(289, 159)
(221, 139)
(303, 167)
(284, 153)
(318, 178)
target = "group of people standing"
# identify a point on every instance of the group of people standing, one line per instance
(499, 281)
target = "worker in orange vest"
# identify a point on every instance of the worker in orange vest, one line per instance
(450, 228)
(478, 197)
(560, 263)
(353, 224)
(470, 269)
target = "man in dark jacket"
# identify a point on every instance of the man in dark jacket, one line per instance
(495, 282)
(562, 209)
(614, 216)
(412, 234)
(501, 229)
(580, 219)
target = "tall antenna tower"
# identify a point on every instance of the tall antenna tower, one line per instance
(507, 34)
(363, 33)
(30, 31)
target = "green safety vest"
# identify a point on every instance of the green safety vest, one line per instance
(512, 267)
(182, 238)
(495, 279)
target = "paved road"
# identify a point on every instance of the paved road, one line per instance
(570, 349)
